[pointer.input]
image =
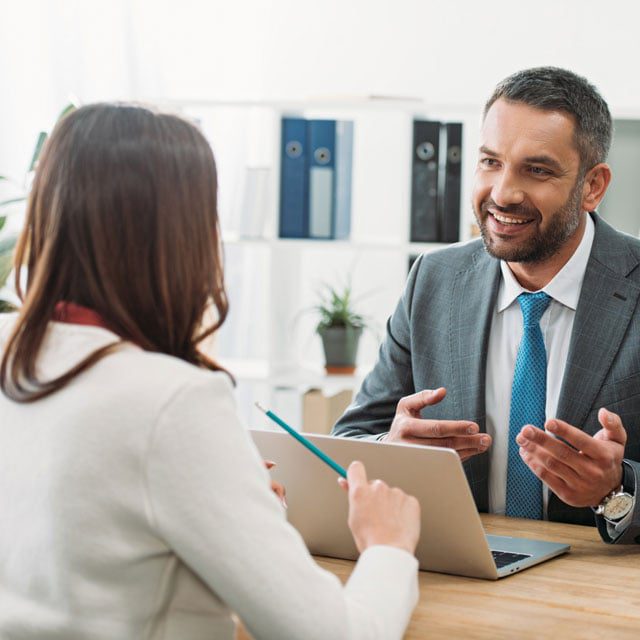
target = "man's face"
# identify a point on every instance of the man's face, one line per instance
(528, 186)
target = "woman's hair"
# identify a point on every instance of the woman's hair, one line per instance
(122, 218)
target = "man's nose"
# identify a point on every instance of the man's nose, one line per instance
(507, 190)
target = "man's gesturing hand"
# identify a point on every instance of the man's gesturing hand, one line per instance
(409, 427)
(581, 470)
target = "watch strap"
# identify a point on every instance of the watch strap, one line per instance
(628, 478)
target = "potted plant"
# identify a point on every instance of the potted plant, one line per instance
(340, 328)
(7, 243)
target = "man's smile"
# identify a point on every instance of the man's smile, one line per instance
(508, 219)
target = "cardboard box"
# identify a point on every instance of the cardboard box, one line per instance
(320, 412)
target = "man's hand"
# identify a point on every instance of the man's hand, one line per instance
(585, 472)
(409, 427)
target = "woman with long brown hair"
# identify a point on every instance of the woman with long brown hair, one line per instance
(132, 501)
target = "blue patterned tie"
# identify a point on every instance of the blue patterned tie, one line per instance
(528, 400)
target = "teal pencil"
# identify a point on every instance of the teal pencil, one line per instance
(302, 440)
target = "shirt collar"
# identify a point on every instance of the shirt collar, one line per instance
(566, 284)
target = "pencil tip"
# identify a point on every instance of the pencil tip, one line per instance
(260, 407)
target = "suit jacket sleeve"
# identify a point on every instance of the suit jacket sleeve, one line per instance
(631, 532)
(373, 410)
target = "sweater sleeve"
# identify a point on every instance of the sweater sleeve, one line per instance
(210, 499)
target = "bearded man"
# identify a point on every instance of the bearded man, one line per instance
(522, 350)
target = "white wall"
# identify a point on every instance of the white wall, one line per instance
(49, 51)
(448, 52)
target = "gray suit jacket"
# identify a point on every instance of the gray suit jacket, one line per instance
(438, 336)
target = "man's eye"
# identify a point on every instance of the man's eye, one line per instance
(488, 162)
(539, 171)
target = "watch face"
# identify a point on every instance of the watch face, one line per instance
(618, 506)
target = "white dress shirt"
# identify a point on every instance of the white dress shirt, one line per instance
(506, 331)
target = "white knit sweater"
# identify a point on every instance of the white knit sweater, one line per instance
(133, 505)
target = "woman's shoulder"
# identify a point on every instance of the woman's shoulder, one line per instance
(157, 379)
(159, 369)
(126, 373)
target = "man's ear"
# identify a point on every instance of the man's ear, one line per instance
(596, 182)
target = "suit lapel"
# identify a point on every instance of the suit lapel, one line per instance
(605, 307)
(473, 299)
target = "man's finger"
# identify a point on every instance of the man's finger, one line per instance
(554, 482)
(556, 457)
(531, 437)
(479, 442)
(613, 426)
(419, 428)
(413, 403)
(576, 438)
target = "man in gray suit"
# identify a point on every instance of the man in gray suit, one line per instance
(457, 367)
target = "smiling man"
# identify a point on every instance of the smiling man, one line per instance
(532, 333)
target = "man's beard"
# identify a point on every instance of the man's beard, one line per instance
(562, 225)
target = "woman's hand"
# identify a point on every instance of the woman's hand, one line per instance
(379, 514)
(276, 487)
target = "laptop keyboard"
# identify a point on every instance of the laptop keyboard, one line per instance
(503, 558)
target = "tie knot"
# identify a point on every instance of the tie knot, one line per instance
(533, 305)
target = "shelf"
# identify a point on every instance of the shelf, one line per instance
(259, 371)
(310, 243)
(337, 102)
(246, 370)
(407, 104)
(235, 238)
(273, 281)
(350, 245)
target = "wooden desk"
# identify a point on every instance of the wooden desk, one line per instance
(591, 592)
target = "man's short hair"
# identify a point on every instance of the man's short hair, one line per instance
(554, 89)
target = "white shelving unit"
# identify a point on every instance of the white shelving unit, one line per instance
(268, 341)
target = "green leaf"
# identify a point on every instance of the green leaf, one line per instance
(72, 106)
(6, 262)
(335, 309)
(7, 244)
(3, 203)
(42, 136)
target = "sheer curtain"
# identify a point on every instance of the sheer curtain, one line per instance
(50, 51)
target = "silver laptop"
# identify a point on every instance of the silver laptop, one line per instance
(452, 539)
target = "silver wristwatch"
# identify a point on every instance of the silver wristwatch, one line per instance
(615, 506)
